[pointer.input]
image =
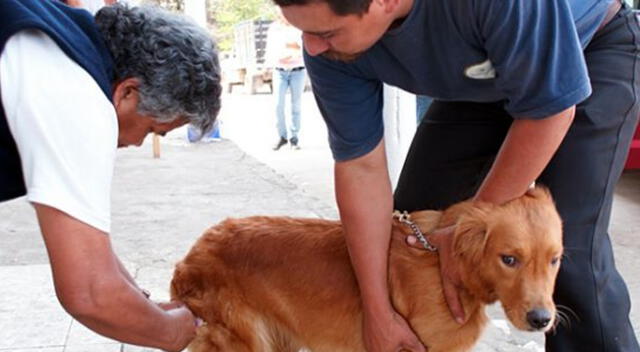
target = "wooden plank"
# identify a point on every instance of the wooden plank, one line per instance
(156, 146)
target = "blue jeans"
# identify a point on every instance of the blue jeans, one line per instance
(422, 105)
(284, 80)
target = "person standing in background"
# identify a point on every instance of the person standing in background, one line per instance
(422, 105)
(284, 54)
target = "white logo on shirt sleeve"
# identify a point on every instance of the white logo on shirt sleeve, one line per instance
(483, 70)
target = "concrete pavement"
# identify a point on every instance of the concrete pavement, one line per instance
(160, 206)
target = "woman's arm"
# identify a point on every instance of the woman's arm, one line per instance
(91, 286)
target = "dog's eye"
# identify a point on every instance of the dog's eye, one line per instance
(555, 261)
(509, 260)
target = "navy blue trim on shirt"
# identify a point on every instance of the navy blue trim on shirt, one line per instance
(75, 32)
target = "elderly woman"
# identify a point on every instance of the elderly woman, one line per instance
(73, 88)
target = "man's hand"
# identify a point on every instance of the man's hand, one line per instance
(449, 271)
(363, 192)
(389, 332)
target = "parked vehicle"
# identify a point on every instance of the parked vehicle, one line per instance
(633, 160)
(246, 65)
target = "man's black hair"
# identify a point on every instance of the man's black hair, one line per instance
(339, 7)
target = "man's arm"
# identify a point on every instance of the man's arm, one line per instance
(525, 152)
(363, 193)
(91, 286)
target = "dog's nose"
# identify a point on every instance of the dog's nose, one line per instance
(538, 318)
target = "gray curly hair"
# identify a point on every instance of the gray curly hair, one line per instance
(175, 61)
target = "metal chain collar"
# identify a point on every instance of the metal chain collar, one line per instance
(405, 218)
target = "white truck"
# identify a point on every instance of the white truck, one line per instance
(246, 64)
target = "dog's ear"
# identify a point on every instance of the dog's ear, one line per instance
(471, 233)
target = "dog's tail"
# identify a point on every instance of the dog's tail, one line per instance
(187, 286)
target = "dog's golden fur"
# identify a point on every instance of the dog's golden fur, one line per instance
(281, 284)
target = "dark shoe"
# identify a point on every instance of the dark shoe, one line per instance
(280, 143)
(294, 144)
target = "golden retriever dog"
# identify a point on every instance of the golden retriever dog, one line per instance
(284, 284)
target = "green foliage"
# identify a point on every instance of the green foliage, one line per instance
(227, 13)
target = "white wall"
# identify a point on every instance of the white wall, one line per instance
(197, 10)
(399, 115)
